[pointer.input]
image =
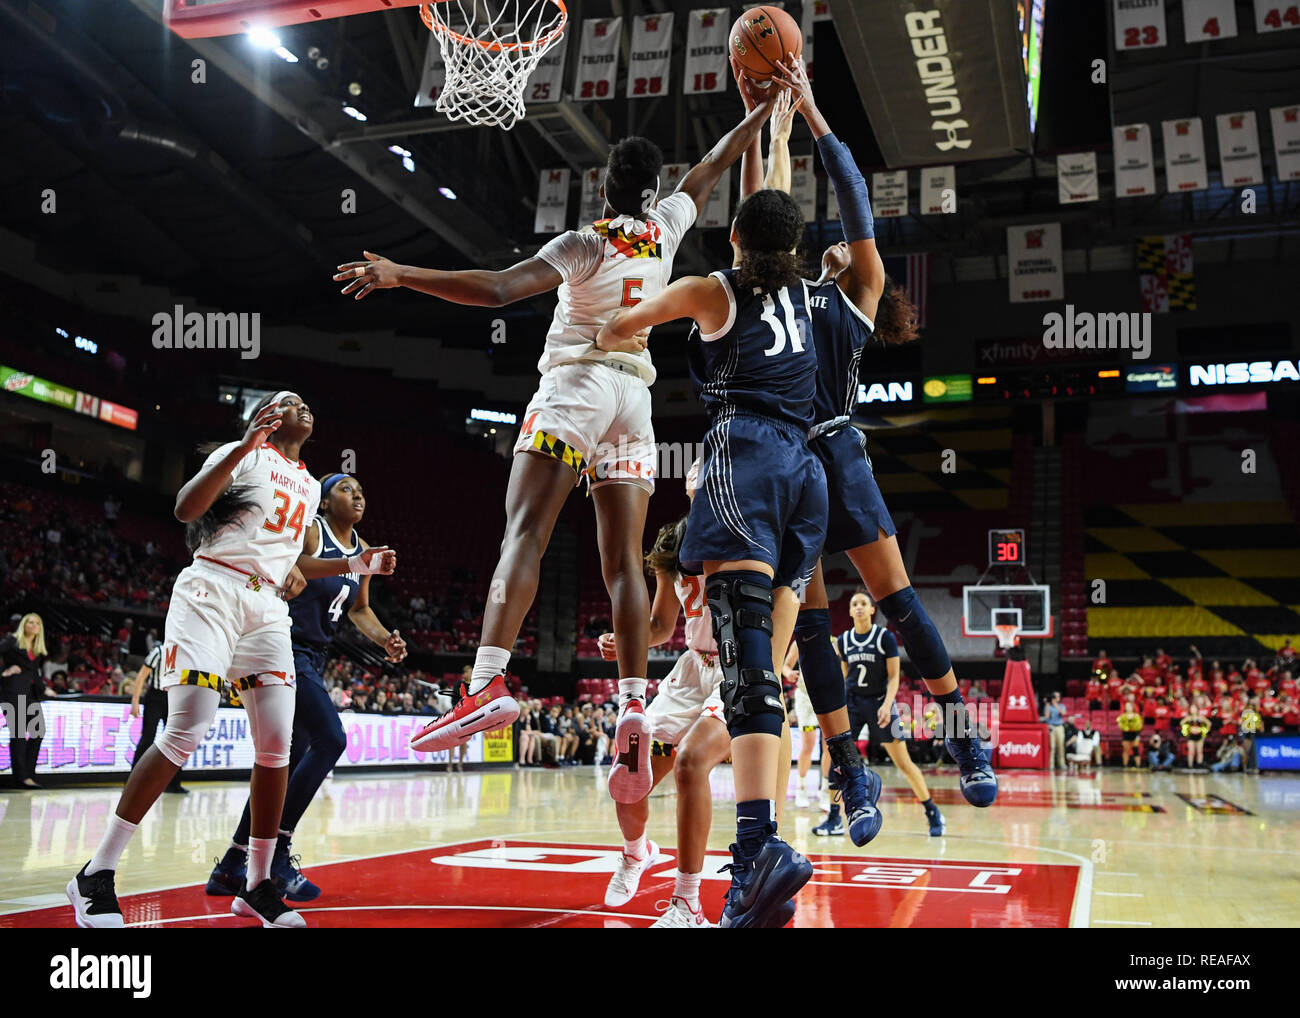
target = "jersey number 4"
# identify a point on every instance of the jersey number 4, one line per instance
(781, 329)
(284, 518)
(336, 606)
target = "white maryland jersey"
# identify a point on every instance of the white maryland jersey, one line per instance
(699, 625)
(266, 541)
(606, 268)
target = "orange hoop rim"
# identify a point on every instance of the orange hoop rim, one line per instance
(1006, 633)
(426, 15)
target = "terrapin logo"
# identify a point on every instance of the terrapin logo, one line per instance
(15, 382)
(930, 47)
(74, 971)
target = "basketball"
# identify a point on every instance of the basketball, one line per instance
(761, 37)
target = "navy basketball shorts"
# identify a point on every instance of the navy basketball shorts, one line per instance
(309, 661)
(863, 711)
(761, 495)
(857, 512)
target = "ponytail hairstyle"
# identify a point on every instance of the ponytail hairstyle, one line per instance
(668, 544)
(231, 503)
(632, 176)
(895, 316)
(768, 227)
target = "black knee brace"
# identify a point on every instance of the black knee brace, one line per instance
(740, 604)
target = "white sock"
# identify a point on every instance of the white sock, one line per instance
(628, 688)
(111, 845)
(635, 849)
(688, 889)
(260, 852)
(489, 662)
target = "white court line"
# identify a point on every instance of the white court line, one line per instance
(403, 908)
(1118, 894)
(1119, 922)
(1081, 912)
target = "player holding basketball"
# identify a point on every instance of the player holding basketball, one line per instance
(228, 622)
(590, 417)
(854, 303)
(318, 738)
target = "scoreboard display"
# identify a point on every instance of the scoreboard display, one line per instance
(1006, 547)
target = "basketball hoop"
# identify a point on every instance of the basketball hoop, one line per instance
(490, 56)
(1006, 634)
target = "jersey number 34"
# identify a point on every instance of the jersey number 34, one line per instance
(284, 518)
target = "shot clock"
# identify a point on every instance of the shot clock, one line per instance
(1006, 547)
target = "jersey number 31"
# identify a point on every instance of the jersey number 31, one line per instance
(781, 329)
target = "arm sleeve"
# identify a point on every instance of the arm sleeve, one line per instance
(574, 255)
(889, 645)
(676, 214)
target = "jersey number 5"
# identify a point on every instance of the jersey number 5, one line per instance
(781, 329)
(283, 517)
(631, 293)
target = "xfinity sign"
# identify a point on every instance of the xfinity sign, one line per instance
(1245, 373)
(885, 392)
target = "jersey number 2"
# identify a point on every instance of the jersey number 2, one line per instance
(781, 329)
(283, 518)
(694, 597)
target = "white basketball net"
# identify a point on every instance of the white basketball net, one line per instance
(490, 48)
(1006, 635)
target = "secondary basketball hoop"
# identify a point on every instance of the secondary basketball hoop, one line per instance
(490, 49)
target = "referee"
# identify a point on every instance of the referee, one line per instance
(155, 710)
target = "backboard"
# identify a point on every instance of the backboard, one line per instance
(201, 19)
(1027, 605)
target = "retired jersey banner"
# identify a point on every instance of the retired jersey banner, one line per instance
(1286, 140)
(803, 185)
(651, 54)
(718, 210)
(552, 201)
(671, 176)
(1239, 158)
(706, 50)
(1276, 15)
(888, 194)
(546, 84)
(1165, 273)
(1139, 24)
(591, 204)
(1135, 172)
(598, 59)
(433, 76)
(938, 190)
(1035, 268)
(1076, 177)
(1185, 168)
(1207, 20)
(813, 12)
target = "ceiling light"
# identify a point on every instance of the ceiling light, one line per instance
(354, 113)
(447, 192)
(285, 55)
(263, 38)
(408, 164)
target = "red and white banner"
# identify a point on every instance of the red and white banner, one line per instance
(938, 190)
(552, 201)
(650, 55)
(813, 11)
(433, 76)
(718, 210)
(1135, 172)
(1207, 20)
(598, 59)
(1286, 140)
(546, 85)
(888, 194)
(670, 176)
(706, 50)
(1185, 168)
(1140, 24)
(1276, 15)
(1239, 158)
(1022, 746)
(1035, 268)
(591, 204)
(803, 185)
(1076, 177)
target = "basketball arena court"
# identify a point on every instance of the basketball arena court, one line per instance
(1086, 211)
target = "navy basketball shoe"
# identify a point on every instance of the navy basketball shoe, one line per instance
(227, 876)
(933, 815)
(978, 782)
(833, 824)
(288, 879)
(860, 790)
(763, 884)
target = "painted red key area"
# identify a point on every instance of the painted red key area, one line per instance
(530, 884)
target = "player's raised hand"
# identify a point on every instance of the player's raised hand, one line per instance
(743, 85)
(375, 273)
(792, 74)
(266, 421)
(783, 114)
(605, 644)
(380, 559)
(395, 647)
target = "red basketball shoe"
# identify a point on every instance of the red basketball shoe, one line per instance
(630, 777)
(492, 707)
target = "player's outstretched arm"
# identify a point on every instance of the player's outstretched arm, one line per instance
(703, 177)
(698, 297)
(473, 287)
(367, 562)
(200, 491)
(778, 146)
(751, 162)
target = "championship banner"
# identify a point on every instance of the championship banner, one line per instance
(1035, 268)
(718, 210)
(1139, 24)
(1135, 172)
(803, 185)
(1076, 177)
(591, 204)
(1185, 168)
(935, 180)
(598, 58)
(1286, 140)
(547, 82)
(1276, 15)
(434, 75)
(1166, 277)
(813, 12)
(888, 194)
(1239, 158)
(671, 176)
(1206, 20)
(706, 50)
(552, 201)
(650, 55)
(939, 81)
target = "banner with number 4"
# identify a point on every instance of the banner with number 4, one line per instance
(1207, 20)
(1139, 24)
(1276, 16)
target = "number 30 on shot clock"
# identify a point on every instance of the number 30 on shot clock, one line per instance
(1006, 547)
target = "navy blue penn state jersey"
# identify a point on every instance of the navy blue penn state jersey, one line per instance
(762, 360)
(840, 333)
(316, 612)
(866, 656)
